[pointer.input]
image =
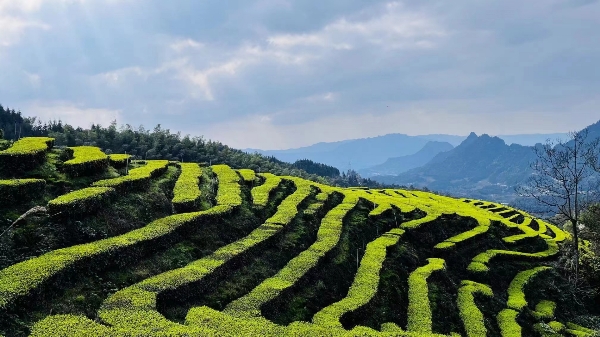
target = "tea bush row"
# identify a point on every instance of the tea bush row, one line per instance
(84, 201)
(260, 194)
(470, 314)
(20, 190)
(137, 178)
(20, 279)
(138, 302)
(365, 284)
(507, 318)
(118, 160)
(328, 236)
(229, 191)
(85, 160)
(247, 174)
(25, 154)
(186, 192)
(419, 308)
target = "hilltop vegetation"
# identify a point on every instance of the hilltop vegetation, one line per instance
(160, 143)
(164, 248)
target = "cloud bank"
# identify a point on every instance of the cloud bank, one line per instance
(276, 74)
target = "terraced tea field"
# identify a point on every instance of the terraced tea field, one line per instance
(175, 249)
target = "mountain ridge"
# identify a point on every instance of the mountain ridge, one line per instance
(397, 165)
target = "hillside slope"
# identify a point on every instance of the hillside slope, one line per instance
(159, 248)
(397, 165)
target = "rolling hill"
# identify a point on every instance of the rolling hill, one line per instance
(101, 245)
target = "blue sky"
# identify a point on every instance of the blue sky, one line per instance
(276, 74)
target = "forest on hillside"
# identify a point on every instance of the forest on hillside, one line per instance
(160, 143)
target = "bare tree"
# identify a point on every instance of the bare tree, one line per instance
(561, 179)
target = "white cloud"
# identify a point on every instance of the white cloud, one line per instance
(396, 28)
(444, 117)
(320, 98)
(13, 27)
(34, 79)
(185, 44)
(74, 114)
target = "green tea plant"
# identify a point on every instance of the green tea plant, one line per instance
(187, 188)
(85, 160)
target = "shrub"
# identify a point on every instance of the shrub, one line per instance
(20, 190)
(365, 283)
(507, 321)
(470, 314)
(82, 201)
(139, 299)
(118, 160)
(186, 193)
(137, 178)
(247, 174)
(419, 309)
(229, 192)
(544, 310)
(260, 194)
(86, 160)
(328, 236)
(580, 331)
(20, 279)
(25, 154)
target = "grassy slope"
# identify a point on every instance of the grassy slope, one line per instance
(82, 293)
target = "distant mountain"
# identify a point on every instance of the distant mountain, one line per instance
(363, 153)
(359, 153)
(480, 166)
(397, 165)
(531, 139)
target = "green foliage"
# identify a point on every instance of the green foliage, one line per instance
(469, 312)
(119, 160)
(544, 310)
(419, 309)
(507, 318)
(229, 192)
(247, 174)
(136, 303)
(327, 237)
(516, 289)
(260, 194)
(187, 189)
(25, 154)
(86, 160)
(83, 201)
(507, 321)
(137, 177)
(20, 279)
(580, 331)
(16, 190)
(365, 283)
(133, 303)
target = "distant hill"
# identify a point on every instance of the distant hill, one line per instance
(397, 165)
(363, 153)
(531, 139)
(479, 166)
(354, 154)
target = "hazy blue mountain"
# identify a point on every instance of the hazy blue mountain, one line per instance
(531, 139)
(481, 166)
(363, 153)
(397, 165)
(356, 154)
